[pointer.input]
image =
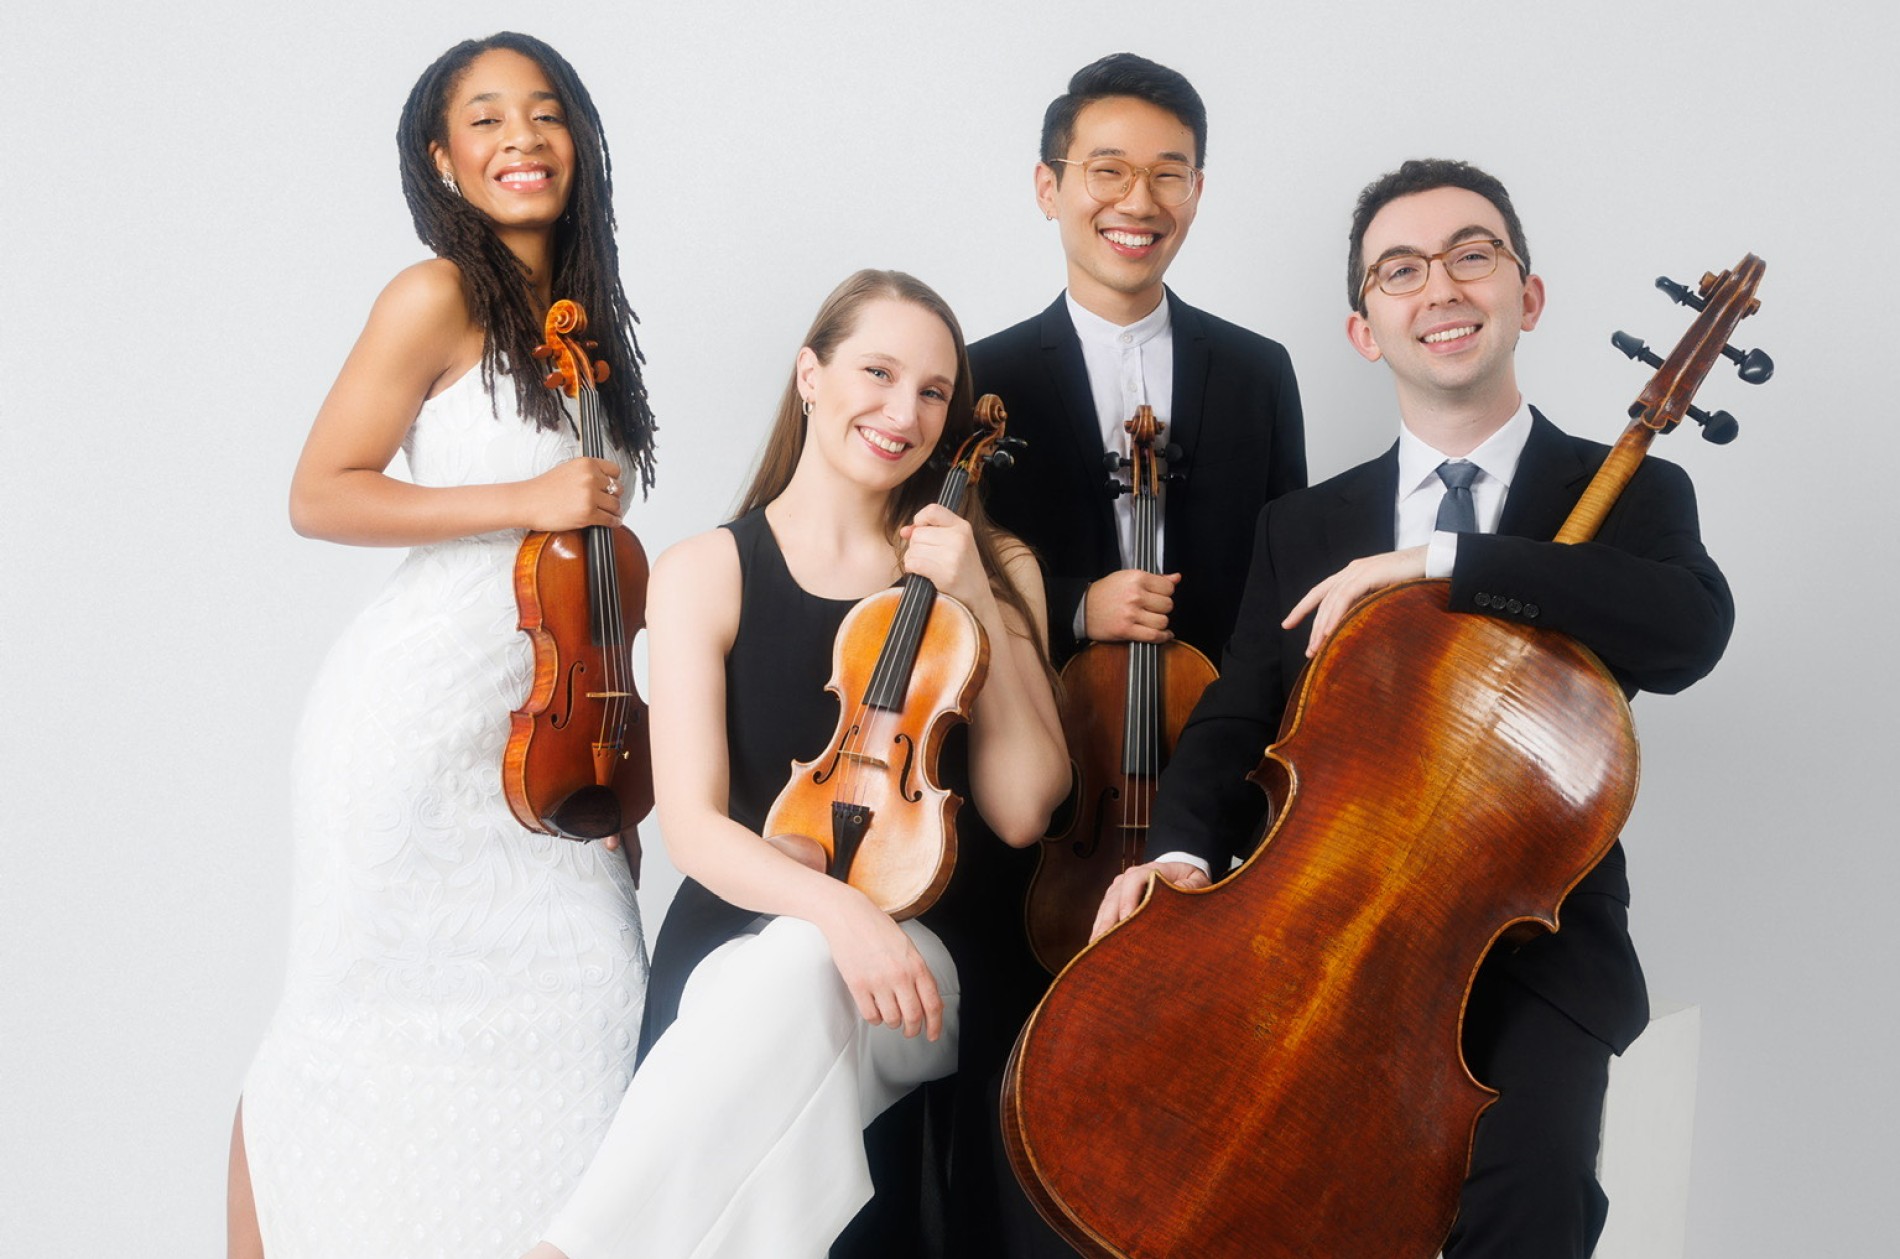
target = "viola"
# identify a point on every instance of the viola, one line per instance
(1123, 706)
(1297, 1086)
(906, 666)
(577, 763)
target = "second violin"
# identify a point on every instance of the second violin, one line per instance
(906, 666)
(1123, 704)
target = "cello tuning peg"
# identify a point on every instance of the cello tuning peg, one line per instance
(1634, 347)
(1719, 428)
(1680, 294)
(1000, 458)
(1115, 487)
(1753, 366)
(1113, 462)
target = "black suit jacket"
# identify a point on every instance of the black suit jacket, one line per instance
(1235, 415)
(1644, 595)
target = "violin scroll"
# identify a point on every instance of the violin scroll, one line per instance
(573, 364)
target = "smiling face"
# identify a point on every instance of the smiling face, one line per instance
(1451, 345)
(879, 405)
(1118, 253)
(508, 149)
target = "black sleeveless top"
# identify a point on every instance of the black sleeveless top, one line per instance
(778, 711)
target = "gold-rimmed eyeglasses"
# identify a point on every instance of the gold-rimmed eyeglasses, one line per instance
(1403, 274)
(1108, 179)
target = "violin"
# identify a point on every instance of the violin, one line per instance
(906, 666)
(1439, 782)
(1123, 705)
(577, 764)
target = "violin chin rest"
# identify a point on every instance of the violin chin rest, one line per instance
(593, 812)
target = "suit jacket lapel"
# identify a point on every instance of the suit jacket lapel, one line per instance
(1361, 517)
(1192, 361)
(1550, 477)
(1069, 376)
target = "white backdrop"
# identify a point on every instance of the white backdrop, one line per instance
(205, 202)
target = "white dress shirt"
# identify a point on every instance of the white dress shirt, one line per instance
(1127, 367)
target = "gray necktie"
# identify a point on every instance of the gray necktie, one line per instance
(1456, 513)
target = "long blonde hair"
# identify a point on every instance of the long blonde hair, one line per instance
(836, 320)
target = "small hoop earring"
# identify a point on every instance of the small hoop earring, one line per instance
(807, 408)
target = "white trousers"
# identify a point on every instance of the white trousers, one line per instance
(741, 1135)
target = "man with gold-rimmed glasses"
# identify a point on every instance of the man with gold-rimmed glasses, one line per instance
(1120, 175)
(1440, 286)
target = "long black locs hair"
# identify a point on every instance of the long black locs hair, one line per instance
(586, 260)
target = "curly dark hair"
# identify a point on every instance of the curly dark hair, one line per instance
(586, 260)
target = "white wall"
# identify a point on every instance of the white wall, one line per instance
(200, 209)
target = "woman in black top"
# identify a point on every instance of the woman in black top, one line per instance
(788, 1010)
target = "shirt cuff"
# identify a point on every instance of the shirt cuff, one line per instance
(1187, 859)
(1079, 624)
(1441, 553)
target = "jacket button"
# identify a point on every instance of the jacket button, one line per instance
(1482, 600)
(1514, 606)
(1530, 610)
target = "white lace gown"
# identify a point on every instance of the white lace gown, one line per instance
(463, 996)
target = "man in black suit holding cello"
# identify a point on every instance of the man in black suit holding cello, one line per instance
(1440, 284)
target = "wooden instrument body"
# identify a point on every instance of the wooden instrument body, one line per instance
(582, 725)
(1322, 986)
(1115, 779)
(881, 764)
(576, 763)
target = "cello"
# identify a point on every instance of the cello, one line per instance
(906, 666)
(576, 764)
(1123, 704)
(1440, 782)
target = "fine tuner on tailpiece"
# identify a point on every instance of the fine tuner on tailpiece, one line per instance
(1753, 366)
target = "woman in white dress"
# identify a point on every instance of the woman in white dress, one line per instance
(463, 995)
(791, 1010)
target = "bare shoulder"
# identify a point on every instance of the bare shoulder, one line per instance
(1021, 566)
(696, 585)
(427, 297)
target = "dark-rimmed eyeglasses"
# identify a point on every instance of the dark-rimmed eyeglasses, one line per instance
(1108, 179)
(1403, 274)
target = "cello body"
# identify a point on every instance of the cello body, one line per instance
(1503, 768)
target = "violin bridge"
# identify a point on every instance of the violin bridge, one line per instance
(864, 758)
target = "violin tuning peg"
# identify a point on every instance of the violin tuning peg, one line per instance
(1754, 366)
(1113, 462)
(556, 380)
(1002, 459)
(1634, 347)
(1719, 428)
(1013, 443)
(1679, 293)
(1114, 487)
(600, 371)
(1709, 281)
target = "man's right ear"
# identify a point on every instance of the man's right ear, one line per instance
(1046, 190)
(1359, 332)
